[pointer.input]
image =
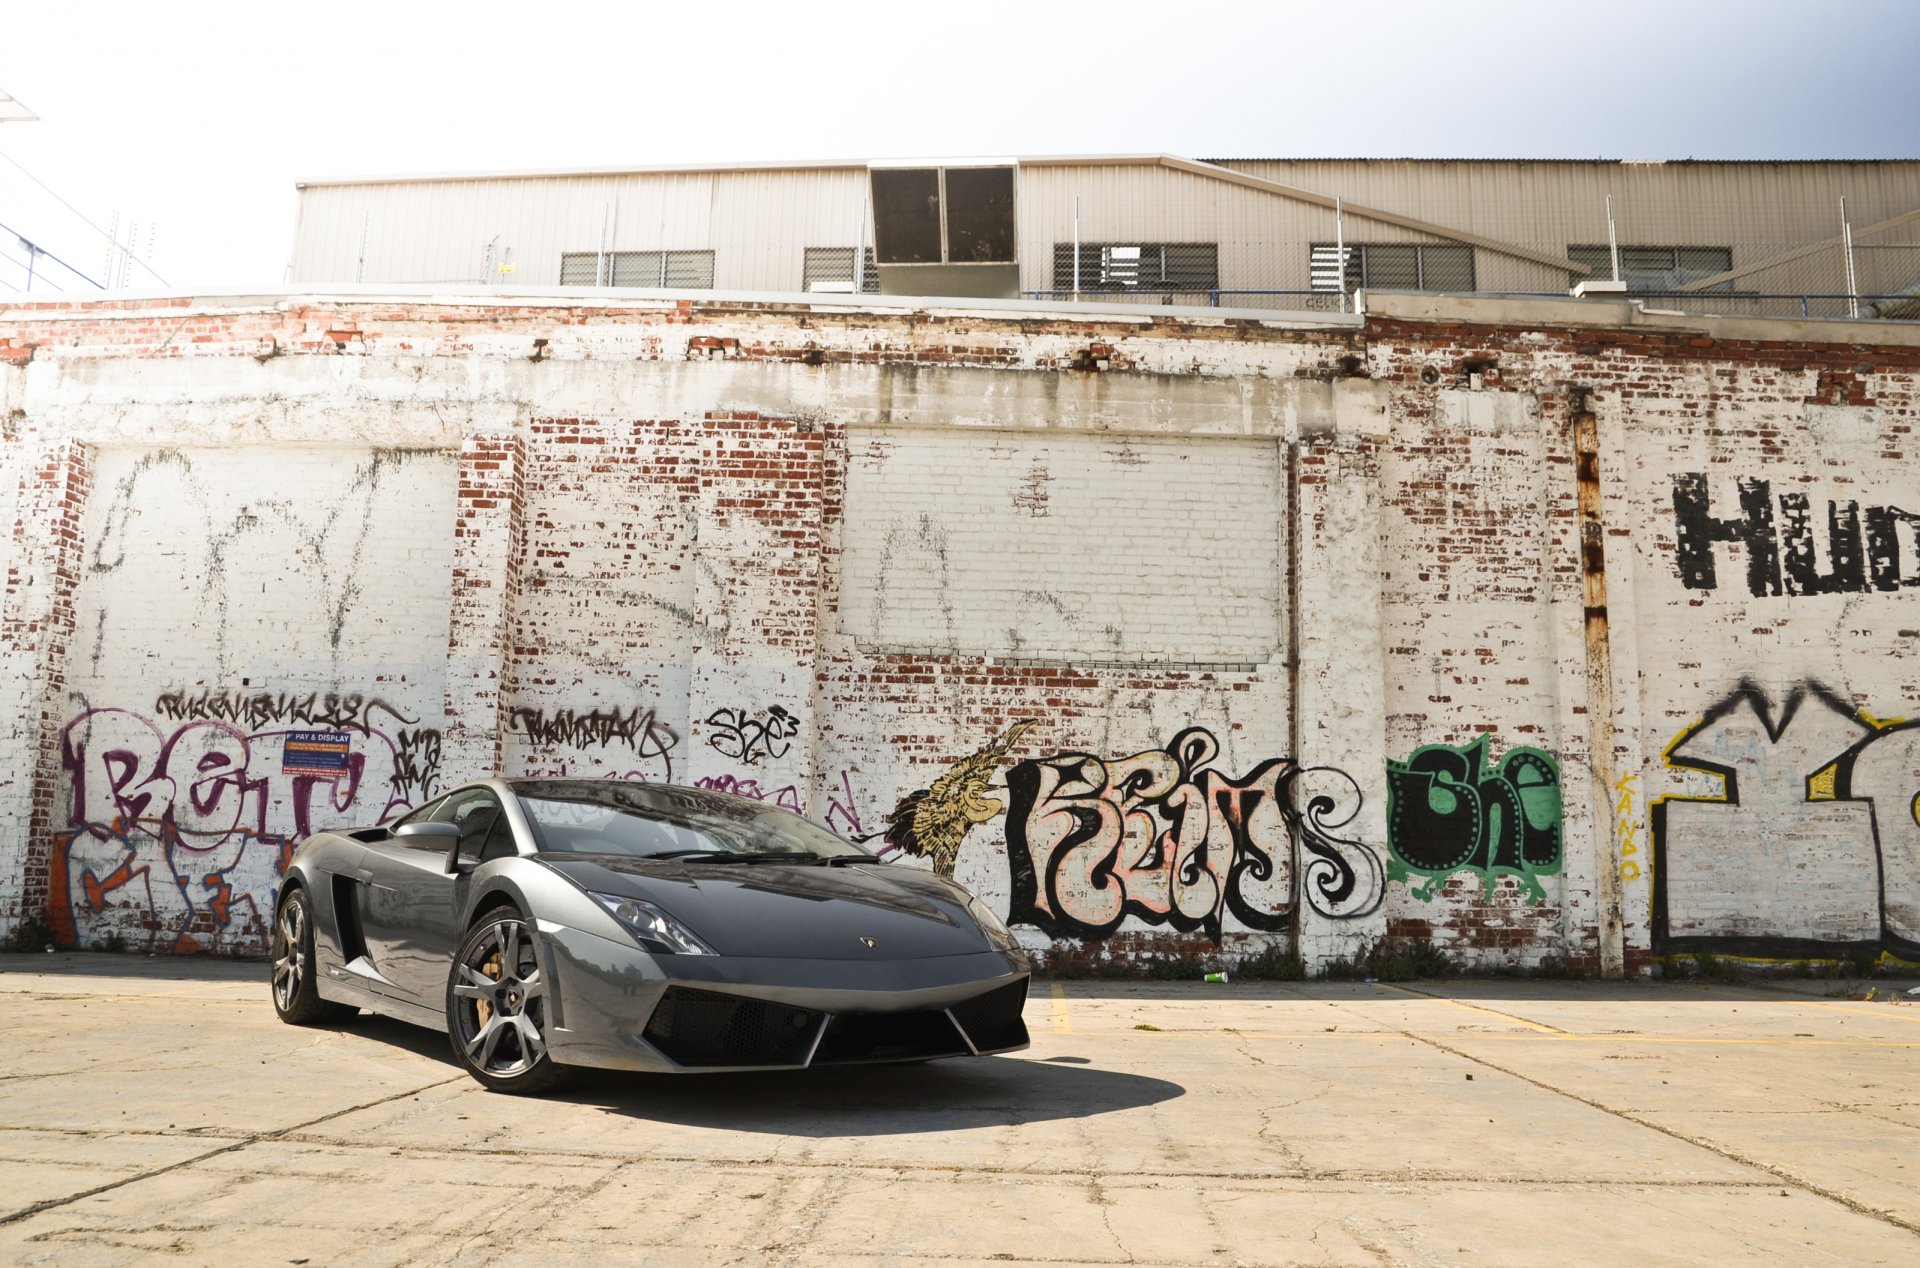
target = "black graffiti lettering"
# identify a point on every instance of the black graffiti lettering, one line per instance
(1789, 563)
(637, 728)
(1163, 837)
(333, 711)
(416, 765)
(747, 737)
(1848, 573)
(1697, 529)
(1883, 546)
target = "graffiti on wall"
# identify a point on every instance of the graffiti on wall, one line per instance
(1627, 810)
(1166, 837)
(416, 764)
(786, 796)
(1811, 845)
(747, 737)
(638, 729)
(326, 710)
(930, 823)
(1450, 809)
(842, 814)
(181, 833)
(1875, 548)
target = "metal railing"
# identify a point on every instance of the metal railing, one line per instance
(1904, 306)
(1289, 301)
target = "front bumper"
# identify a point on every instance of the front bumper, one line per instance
(615, 1006)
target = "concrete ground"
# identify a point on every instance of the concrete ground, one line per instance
(154, 1109)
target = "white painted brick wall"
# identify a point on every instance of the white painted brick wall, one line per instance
(994, 538)
(227, 595)
(1085, 549)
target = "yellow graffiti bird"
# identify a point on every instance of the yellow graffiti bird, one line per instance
(930, 823)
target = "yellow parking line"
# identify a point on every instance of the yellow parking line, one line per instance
(1061, 1024)
(1161, 1033)
(1491, 1012)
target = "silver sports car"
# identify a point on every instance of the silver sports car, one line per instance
(550, 923)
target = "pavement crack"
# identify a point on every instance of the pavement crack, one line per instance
(1832, 1195)
(27, 1212)
(1105, 1206)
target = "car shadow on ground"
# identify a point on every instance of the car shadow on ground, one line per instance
(853, 1100)
(875, 1100)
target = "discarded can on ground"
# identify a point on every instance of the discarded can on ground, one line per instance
(1216, 977)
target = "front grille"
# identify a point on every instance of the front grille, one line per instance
(855, 1037)
(993, 1020)
(707, 1028)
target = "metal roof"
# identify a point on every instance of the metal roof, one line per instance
(1036, 160)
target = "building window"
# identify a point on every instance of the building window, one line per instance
(1655, 269)
(1393, 266)
(675, 270)
(938, 215)
(831, 269)
(1138, 266)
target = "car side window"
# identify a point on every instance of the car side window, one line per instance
(475, 813)
(419, 814)
(499, 841)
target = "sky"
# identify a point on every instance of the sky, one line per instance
(194, 120)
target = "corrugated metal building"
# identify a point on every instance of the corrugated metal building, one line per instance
(1757, 237)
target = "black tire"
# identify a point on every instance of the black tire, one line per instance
(497, 1008)
(290, 958)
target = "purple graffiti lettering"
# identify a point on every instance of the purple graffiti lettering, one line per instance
(787, 797)
(177, 840)
(841, 815)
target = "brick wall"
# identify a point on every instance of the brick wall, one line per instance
(1163, 636)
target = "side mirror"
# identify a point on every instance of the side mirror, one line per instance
(444, 831)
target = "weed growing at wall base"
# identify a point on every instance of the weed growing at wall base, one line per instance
(1275, 964)
(33, 934)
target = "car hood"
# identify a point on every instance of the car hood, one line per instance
(788, 910)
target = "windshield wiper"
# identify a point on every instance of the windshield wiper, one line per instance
(739, 856)
(763, 856)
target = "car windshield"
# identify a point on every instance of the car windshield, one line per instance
(661, 821)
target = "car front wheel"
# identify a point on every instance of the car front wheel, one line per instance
(497, 1008)
(295, 997)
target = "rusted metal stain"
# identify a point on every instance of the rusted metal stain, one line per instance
(1593, 573)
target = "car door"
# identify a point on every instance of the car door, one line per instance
(411, 914)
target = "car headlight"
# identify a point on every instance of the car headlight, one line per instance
(653, 928)
(990, 924)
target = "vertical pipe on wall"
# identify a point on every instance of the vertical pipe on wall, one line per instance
(600, 256)
(1853, 278)
(860, 250)
(1600, 723)
(1340, 246)
(1296, 729)
(1613, 240)
(1076, 249)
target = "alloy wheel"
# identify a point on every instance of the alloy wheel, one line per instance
(500, 1001)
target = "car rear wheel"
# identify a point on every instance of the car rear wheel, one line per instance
(295, 997)
(497, 1008)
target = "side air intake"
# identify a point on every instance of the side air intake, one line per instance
(993, 1020)
(701, 1028)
